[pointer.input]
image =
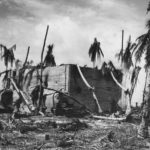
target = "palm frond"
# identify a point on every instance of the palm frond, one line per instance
(95, 51)
(147, 57)
(93, 56)
(140, 38)
(148, 24)
(7, 54)
(111, 65)
(134, 73)
(104, 65)
(49, 58)
(101, 52)
(98, 54)
(133, 48)
(104, 68)
(133, 76)
(125, 55)
(5, 77)
(148, 8)
(142, 45)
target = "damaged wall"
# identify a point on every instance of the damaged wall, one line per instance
(56, 78)
(67, 79)
(107, 92)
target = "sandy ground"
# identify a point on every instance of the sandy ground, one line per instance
(59, 133)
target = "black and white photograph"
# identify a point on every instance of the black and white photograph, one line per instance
(74, 74)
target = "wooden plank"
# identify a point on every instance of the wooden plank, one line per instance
(109, 118)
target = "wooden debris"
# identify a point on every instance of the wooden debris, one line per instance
(65, 142)
(109, 118)
(75, 125)
(27, 102)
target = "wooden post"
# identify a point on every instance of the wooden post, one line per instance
(26, 56)
(41, 81)
(130, 38)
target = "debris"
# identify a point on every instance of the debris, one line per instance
(1, 126)
(109, 118)
(4, 141)
(111, 136)
(26, 128)
(4, 125)
(7, 100)
(40, 147)
(75, 125)
(65, 142)
(26, 98)
(47, 137)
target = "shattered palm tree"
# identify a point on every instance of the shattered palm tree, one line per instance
(41, 100)
(118, 108)
(128, 82)
(95, 52)
(15, 78)
(7, 54)
(143, 47)
(49, 58)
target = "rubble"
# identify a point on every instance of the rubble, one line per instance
(78, 118)
(60, 132)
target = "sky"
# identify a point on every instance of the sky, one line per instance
(73, 25)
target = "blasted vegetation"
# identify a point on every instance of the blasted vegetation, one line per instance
(73, 107)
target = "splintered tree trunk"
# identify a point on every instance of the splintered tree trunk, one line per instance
(94, 64)
(7, 84)
(126, 96)
(26, 56)
(136, 70)
(40, 104)
(143, 129)
(126, 82)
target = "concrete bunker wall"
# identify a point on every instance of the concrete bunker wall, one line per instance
(67, 79)
(107, 92)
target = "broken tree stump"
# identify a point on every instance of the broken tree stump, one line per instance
(26, 98)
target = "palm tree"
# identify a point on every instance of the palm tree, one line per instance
(95, 52)
(125, 56)
(144, 48)
(49, 58)
(8, 55)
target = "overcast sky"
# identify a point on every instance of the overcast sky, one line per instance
(73, 26)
